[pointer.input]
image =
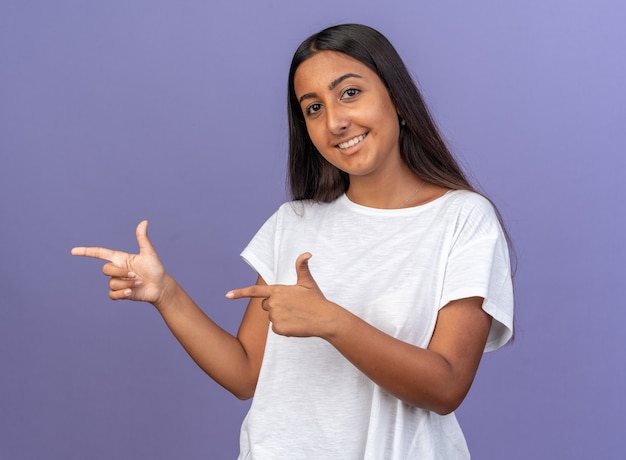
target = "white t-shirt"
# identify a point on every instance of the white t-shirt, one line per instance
(395, 269)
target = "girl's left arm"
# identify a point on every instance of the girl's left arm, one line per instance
(435, 378)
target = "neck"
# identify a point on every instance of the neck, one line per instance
(402, 190)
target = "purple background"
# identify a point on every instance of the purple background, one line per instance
(116, 111)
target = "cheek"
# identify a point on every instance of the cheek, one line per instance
(389, 119)
(316, 135)
(320, 141)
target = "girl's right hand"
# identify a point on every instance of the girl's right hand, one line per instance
(139, 277)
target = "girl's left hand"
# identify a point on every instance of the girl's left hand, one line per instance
(300, 310)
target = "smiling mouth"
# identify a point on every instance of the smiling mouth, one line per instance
(352, 142)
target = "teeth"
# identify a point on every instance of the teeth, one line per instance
(351, 142)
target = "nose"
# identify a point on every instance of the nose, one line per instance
(337, 120)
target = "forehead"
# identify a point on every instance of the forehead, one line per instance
(324, 67)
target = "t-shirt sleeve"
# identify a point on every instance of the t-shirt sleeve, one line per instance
(260, 253)
(479, 266)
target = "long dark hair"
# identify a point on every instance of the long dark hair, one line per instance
(422, 148)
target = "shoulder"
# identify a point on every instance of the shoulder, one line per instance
(466, 202)
(467, 198)
(305, 209)
(470, 212)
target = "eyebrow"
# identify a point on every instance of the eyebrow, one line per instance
(332, 85)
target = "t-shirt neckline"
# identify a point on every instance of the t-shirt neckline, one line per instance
(344, 200)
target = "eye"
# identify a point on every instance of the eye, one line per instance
(350, 93)
(313, 108)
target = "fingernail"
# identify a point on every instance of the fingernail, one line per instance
(127, 292)
(137, 283)
(132, 274)
(230, 295)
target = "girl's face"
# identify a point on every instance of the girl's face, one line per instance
(349, 115)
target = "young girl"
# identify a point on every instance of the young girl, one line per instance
(379, 286)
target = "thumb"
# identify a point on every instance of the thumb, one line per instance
(302, 271)
(145, 246)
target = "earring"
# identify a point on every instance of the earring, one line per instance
(402, 122)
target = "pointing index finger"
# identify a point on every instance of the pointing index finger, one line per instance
(255, 291)
(95, 252)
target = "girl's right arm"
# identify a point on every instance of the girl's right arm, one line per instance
(233, 362)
